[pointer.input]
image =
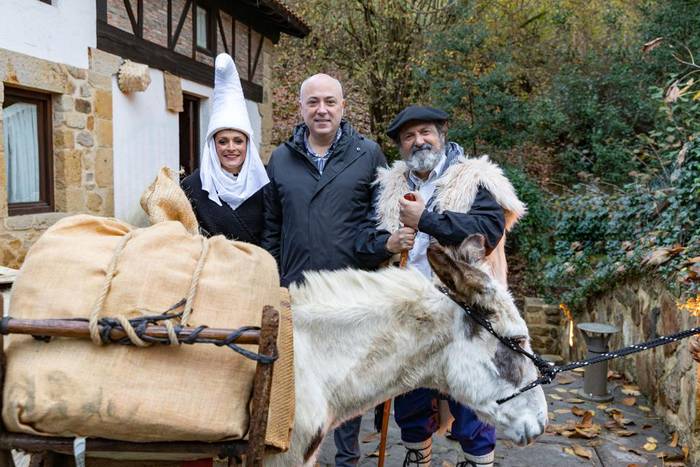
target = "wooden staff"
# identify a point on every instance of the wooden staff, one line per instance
(386, 410)
(80, 329)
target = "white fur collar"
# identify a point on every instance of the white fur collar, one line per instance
(455, 190)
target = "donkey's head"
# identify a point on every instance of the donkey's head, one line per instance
(480, 369)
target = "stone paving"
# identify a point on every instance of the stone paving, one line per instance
(636, 438)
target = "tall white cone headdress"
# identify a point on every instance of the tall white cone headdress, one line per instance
(229, 111)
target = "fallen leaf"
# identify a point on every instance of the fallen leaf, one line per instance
(674, 440)
(629, 401)
(649, 447)
(601, 406)
(644, 408)
(555, 397)
(370, 437)
(624, 433)
(561, 411)
(569, 451)
(630, 390)
(447, 464)
(587, 419)
(560, 390)
(672, 94)
(578, 411)
(575, 401)
(582, 452)
(651, 439)
(564, 379)
(588, 433)
(373, 453)
(652, 44)
(646, 426)
(578, 370)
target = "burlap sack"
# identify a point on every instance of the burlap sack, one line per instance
(164, 200)
(72, 387)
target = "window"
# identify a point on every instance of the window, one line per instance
(27, 142)
(189, 134)
(203, 33)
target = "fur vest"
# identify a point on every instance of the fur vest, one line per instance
(455, 191)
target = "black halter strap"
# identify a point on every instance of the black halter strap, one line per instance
(546, 369)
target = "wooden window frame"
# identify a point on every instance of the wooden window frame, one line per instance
(45, 136)
(210, 49)
(194, 121)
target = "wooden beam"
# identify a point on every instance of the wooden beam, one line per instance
(180, 24)
(132, 18)
(257, 57)
(221, 31)
(102, 10)
(139, 19)
(170, 21)
(32, 443)
(116, 41)
(249, 52)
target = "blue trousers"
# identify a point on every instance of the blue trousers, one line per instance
(347, 443)
(416, 413)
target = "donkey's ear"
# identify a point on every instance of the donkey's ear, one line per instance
(443, 265)
(458, 276)
(473, 249)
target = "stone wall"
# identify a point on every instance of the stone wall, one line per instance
(545, 325)
(82, 143)
(643, 310)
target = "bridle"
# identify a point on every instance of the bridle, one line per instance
(547, 369)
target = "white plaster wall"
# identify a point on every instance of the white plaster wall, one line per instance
(145, 139)
(61, 32)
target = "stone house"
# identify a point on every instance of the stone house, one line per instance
(73, 139)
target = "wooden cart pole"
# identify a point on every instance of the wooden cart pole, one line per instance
(261, 389)
(386, 409)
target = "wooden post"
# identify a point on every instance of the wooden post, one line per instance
(5, 454)
(261, 389)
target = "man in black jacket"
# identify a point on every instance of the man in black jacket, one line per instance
(318, 200)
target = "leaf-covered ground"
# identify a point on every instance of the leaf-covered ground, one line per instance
(624, 432)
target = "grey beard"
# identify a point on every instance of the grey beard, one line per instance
(424, 160)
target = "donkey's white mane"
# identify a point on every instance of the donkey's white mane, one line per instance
(330, 293)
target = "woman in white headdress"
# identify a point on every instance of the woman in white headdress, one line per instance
(225, 191)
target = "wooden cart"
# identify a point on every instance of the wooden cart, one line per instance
(239, 452)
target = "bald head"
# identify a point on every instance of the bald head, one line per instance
(321, 101)
(324, 81)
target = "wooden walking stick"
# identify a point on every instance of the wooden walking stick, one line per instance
(386, 410)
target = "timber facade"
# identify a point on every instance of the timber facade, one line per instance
(72, 141)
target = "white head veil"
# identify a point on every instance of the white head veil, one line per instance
(228, 111)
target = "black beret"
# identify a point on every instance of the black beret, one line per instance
(415, 113)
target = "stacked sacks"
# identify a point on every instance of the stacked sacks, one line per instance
(72, 387)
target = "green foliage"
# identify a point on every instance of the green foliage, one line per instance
(649, 223)
(531, 238)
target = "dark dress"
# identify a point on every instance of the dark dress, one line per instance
(244, 224)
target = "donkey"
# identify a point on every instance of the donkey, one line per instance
(365, 337)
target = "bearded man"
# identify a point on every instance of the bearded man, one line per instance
(455, 197)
